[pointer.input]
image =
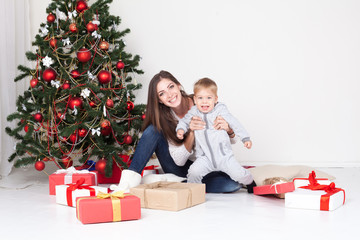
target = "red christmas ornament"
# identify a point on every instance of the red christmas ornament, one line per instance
(81, 6)
(39, 165)
(104, 77)
(106, 131)
(92, 104)
(53, 43)
(73, 138)
(105, 123)
(110, 103)
(84, 55)
(75, 102)
(120, 65)
(82, 132)
(38, 117)
(66, 161)
(66, 85)
(73, 28)
(75, 74)
(26, 128)
(129, 105)
(50, 18)
(127, 139)
(33, 82)
(143, 117)
(49, 74)
(104, 45)
(100, 165)
(90, 27)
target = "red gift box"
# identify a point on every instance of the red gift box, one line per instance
(70, 175)
(108, 208)
(276, 188)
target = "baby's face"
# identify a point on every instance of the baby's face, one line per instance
(205, 100)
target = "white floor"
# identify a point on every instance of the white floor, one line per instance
(28, 212)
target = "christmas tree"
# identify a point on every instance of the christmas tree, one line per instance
(80, 101)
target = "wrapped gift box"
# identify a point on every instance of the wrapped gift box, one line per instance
(151, 169)
(108, 208)
(70, 175)
(67, 194)
(171, 196)
(326, 200)
(276, 188)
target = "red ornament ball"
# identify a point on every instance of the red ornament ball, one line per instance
(49, 74)
(33, 82)
(26, 128)
(82, 132)
(110, 103)
(120, 65)
(38, 117)
(143, 117)
(129, 105)
(75, 74)
(39, 165)
(81, 6)
(73, 138)
(66, 85)
(75, 102)
(104, 45)
(83, 55)
(128, 139)
(92, 104)
(66, 161)
(53, 43)
(90, 27)
(106, 131)
(73, 28)
(50, 18)
(104, 77)
(100, 165)
(105, 123)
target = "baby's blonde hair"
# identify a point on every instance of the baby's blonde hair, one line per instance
(205, 83)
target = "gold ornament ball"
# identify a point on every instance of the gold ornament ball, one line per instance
(104, 45)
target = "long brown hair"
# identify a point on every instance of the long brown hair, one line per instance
(158, 114)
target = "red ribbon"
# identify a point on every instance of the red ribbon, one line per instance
(78, 185)
(329, 189)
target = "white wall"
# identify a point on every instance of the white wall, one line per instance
(289, 70)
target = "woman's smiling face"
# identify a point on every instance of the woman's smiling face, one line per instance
(169, 93)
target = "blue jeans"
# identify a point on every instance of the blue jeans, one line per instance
(154, 141)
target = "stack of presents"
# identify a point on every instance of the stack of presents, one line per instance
(96, 204)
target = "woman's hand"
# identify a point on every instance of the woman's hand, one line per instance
(221, 124)
(196, 123)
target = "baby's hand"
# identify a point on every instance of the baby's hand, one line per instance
(180, 134)
(248, 144)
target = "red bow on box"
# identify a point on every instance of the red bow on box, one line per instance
(329, 189)
(78, 185)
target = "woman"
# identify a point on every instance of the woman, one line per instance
(167, 103)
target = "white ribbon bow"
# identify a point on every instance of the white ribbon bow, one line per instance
(72, 14)
(44, 31)
(70, 171)
(85, 93)
(75, 111)
(95, 35)
(66, 41)
(91, 76)
(55, 83)
(95, 131)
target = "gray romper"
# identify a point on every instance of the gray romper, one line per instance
(213, 147)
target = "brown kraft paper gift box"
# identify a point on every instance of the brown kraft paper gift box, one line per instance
(171, 196)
